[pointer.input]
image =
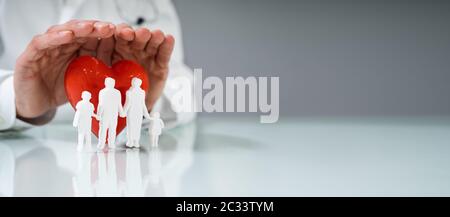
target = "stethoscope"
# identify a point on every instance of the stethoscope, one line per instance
(140, 19)
(70, 8)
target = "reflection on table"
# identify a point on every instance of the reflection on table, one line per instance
(43, 162)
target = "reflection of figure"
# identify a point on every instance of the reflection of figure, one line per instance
(82, 120)
(81, 182)
(107, 184)
(109, 106)
(161, 170)
(134, 186)
(156, 125)
(134, 109)
(155, 166)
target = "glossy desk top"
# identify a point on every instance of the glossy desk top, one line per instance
(239, 157)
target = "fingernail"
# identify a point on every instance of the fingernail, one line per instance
(82, 24)
(99, 25)
(64, 33)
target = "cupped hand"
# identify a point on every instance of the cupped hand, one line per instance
(151, 49)
(39, 71)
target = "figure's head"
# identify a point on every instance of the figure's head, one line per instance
(136, 82)
(155, 115)
(109, 82)
(86, 95)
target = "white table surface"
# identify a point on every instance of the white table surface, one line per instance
(239, 157)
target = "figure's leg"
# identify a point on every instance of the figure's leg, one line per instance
(129, 143)
(80, 141)
(151, 138)
(137, 135)
(102, 136)
(112, 134)
(88, 140)
(137, 139)
(156, 140)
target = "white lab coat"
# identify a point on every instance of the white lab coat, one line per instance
(20, 20)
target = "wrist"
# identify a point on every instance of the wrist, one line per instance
(40, 120)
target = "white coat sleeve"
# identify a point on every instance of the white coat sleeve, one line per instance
(7, 105)
(8, 120)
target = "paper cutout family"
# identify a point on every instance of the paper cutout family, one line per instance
(109, 109)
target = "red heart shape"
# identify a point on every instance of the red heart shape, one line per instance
(88, 74)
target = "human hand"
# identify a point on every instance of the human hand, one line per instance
(39, 71)
(151, 49)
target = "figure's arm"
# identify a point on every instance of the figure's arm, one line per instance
(126, 107)
(120, 104)
(145, 110)
(100, 105)
(94, 115)
(162, 123)
(76, 118)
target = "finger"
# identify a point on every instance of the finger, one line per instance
(89, 48)
(103, 30)
(165, 51)
(71, 48)
(142, 36)
(105, 50)
(154, 42)
(46, 41)
(86, 28)
(80, 28)
(124, 34)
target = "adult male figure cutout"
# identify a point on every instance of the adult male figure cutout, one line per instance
(109, 107)
(134, 110)
(83, 120)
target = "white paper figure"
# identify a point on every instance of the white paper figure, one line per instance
(134, 110)
(155, 128)
(82, 120)
(109, 107)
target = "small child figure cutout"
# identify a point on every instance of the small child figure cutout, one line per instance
(155, 128)
(82, 120)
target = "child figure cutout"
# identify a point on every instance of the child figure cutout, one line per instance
(156, 125)
(82, 120)
(134, 109)
(108, 109)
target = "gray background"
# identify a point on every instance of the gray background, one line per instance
(334, 58)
